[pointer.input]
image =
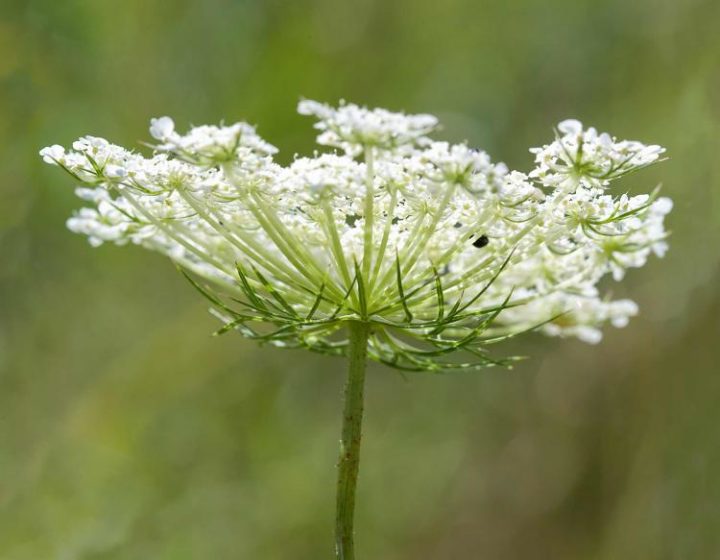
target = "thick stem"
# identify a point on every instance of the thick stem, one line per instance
(349, 459)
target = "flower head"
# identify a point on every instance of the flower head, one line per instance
(353, 128)
(583, 156)
(440, 249)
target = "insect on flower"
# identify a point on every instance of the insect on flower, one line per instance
(481, 241)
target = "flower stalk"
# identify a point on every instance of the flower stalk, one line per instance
(349, 459)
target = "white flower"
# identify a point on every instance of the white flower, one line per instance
(582, 156)
(90, 144)
(52, 154)
(162, 128)
(570, 126)
(115, 171)
(212, 145)
(578, 316)
(429, 241)
(459, 164)
(351, 127)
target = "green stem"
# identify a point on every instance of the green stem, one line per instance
(349, 460)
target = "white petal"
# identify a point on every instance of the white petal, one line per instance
(162, 128)
(570, 126)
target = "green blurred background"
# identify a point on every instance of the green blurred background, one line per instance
(128, 432)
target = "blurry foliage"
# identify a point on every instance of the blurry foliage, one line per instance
(127, 432)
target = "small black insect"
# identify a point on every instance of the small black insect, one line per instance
(481, 241)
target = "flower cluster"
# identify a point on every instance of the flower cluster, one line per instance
(436, 246)
(592, 158)
(353, 128)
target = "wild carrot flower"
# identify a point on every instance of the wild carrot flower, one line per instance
(438, 247)
(414, 252)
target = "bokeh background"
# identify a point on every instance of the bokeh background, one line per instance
(128, 432)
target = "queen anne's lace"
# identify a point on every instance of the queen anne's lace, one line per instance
(439, 248)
